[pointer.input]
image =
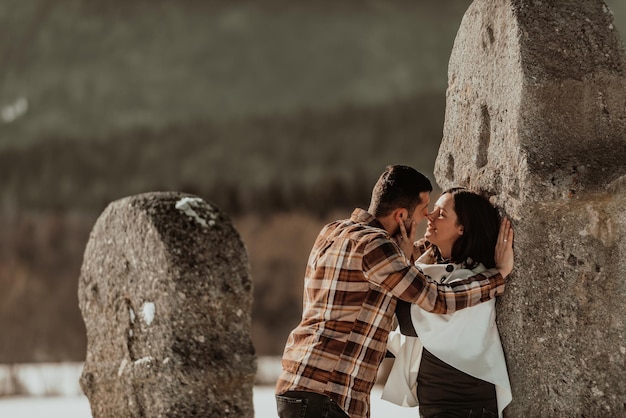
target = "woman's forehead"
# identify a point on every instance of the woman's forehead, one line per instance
(445, 201)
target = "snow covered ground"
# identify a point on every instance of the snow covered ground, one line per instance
(78, 406)
(52, 391)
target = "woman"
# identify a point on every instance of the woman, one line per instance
(456, 367)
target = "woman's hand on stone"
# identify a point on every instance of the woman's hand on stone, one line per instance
(504, 248)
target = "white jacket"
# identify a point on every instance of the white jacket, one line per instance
(467, 340)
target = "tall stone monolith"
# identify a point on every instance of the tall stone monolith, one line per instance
(165, 293)
(536, 117)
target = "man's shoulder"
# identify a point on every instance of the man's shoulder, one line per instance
(359, 232)
(360, 225)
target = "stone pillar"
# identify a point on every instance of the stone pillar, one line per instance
(536, 117)
(166, 294)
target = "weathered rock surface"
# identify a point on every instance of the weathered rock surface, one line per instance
(536, 116)
(166, 294)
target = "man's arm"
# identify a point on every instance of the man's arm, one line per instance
(407, 283)
(385, 265)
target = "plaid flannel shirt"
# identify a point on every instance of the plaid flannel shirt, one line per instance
(354, 275)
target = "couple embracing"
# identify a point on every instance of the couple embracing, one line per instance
(365, 272)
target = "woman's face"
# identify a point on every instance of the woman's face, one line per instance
(442, 229)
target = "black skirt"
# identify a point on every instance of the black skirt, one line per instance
(439, 384)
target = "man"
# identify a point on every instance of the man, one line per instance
(354, 276)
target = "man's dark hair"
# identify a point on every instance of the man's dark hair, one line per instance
(480, 222)
(399, 186)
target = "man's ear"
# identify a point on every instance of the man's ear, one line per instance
(400, 215)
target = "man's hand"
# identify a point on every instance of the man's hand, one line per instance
(406, 239)
(504, 248)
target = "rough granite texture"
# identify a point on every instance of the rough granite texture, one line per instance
(166, 294)
(536, 117)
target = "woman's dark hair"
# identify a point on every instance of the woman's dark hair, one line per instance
(399, 186)
(480, 222)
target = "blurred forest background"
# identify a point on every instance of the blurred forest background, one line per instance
(281, 113)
